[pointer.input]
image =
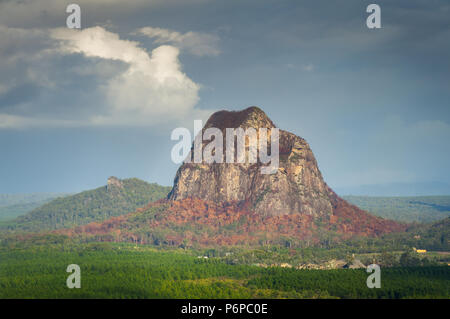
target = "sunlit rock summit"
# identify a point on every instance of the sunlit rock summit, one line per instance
(296, 187)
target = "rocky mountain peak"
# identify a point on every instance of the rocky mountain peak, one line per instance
(296, 191)
(250, 117)
(235, 203)
(296, 187)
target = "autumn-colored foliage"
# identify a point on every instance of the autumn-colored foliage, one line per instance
(196, 221)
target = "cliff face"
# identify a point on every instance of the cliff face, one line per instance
(296, 187)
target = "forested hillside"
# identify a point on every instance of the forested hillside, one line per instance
(431, 237)
(424, 209)
(117, 198)
(14, 205)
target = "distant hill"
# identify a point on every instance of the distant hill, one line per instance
(14, 205)
(116, 198)
(397, 189)
(438, 234)
(14, 199)
(423, 209)
(434, 236)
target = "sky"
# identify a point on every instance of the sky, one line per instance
(78, 106)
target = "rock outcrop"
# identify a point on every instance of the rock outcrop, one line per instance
(113, 182)
(296, 187)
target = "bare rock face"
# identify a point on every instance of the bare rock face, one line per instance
(296, 187)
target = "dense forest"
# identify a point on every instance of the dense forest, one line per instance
(124, 271)
(149, 254)
(90, 206)
(424, 209)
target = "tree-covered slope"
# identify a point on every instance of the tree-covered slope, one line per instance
(14, 205)
(117, 198)
(424, 209)
(432, 237)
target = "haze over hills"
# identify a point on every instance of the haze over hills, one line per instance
(397, 189)
(423, 209)
(116, 198)
(14, 205)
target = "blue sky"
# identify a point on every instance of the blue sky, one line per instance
(79, 106)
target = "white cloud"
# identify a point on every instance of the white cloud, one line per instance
(153, 87)
(197, 43)
(151, 90)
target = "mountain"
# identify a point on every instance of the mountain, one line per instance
(424, 209)
(14, 205)
(397, 189)
(297, 186)
(235, 204)
(116, 198)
